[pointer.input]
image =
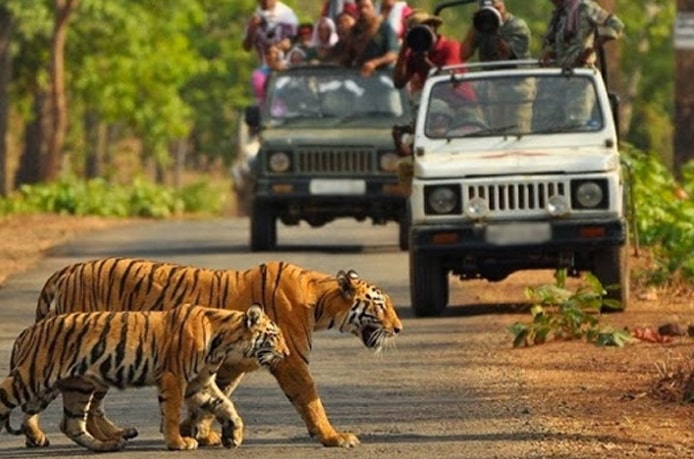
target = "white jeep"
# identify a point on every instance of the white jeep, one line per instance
(516, 167)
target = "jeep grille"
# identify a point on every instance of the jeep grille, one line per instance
(522, 197)
(337, 161)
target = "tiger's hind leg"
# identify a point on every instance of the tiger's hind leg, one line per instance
(100, 426)
(77, 397)
(34, 436)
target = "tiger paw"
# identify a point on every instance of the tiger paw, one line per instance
(103, 429)
(37, 442)
(182, 443)
(232, 434)
(201, 431)
(344, 439)
(211, 439)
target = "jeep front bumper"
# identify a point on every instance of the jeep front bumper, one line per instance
(475, 249)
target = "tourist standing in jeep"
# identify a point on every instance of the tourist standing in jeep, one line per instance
(577, 29)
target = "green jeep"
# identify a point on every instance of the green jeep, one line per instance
(326, 151)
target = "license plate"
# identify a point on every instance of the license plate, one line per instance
(337, 186)
(518, 233)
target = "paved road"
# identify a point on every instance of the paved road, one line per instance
(444, 391)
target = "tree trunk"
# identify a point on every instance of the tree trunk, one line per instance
(30, 170)
(58, 103)
(96, 134)
(684, 86)
(6, 29)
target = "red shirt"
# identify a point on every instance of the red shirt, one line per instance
(445, 52)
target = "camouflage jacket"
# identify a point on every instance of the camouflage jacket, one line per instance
(575, 48)
(514, 31)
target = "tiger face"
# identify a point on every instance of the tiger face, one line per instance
(371, 316)
(267, 344)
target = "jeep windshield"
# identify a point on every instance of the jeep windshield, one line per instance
(512, 106)
(333, 96)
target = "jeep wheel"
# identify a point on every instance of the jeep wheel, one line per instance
(428, 285)
(404, 228)
(263, 229)
(611, 267)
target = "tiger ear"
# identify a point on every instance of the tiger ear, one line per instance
(253, 315)
(344, 280)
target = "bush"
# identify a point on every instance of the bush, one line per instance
(98, 197)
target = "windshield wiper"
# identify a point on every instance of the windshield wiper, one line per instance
(562, 128)
(490, 131)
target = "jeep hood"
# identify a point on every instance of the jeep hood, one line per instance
(520, 161)
(284, 138)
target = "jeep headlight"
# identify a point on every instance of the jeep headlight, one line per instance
(279, 161)
(589, 194)
(442, 200)
(388, 162)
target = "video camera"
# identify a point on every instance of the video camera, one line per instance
(487, 19)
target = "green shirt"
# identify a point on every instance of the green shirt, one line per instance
(514, 32)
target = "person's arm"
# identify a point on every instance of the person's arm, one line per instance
(391, 47)
(402, 72)
(251, 30)
(609, 26)
(467, 46)
(514, 40)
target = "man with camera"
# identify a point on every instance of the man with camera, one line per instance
(496, 34)
(272, 24)
(423, 49)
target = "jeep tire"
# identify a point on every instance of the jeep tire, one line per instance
(428, 285)
(611, 267)
(263, 228)
(404, 228)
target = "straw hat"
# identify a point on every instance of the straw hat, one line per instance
(419, 16)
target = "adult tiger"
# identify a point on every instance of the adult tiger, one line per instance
(299, 300)
(179, 351)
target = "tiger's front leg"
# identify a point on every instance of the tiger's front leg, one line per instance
(171, 390)
(294, 378)
(199, 423)
(210, 399)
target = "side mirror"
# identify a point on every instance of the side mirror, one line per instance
(252, 116)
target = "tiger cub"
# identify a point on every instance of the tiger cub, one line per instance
(179, 351)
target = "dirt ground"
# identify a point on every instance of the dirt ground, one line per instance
(647, 377)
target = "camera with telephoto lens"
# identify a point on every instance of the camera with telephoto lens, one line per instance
(487, 19)
(420, 38)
